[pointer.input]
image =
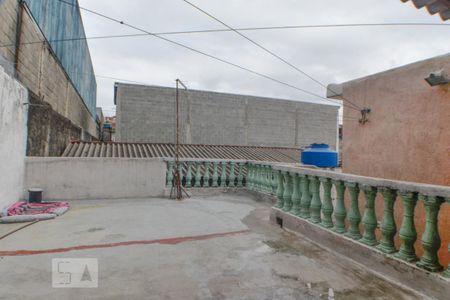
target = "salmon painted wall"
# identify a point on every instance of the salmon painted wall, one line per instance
(407, 136)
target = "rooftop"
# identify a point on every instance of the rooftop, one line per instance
(214, 247)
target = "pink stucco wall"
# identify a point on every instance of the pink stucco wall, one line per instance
(407, 136)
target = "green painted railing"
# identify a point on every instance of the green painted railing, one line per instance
(310, 199)
(208, 173)
(307, 194)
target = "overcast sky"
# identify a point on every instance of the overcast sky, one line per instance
(328, 54)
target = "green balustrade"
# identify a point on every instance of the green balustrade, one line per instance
(262, 187)
(189, 174)
(169, 175)
(305, 201)
(431, 242)
(240, 176)
(287, 196)
(388, 227)
(198, 175)
(206, 175)
(369, 218)
(340, 212)
(316, 204)
(354, 216)
(327, 206)
(295, 210)
(280, 190)
(408, 234)
(250, 177)
(223, 174)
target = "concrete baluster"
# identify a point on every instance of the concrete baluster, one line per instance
(431, 242)
(340, 211)
(223, 174)
(232, 176)
(169, 175)
(287, 196)
(327, 207)
(388, 227)
(280, 190)
(316, 204)
(215, 176)
(408, 234)
(189, 174)
(369, 218)
(206, 175)
(354, 216)
(274, 181)
(198, 174)
(295, 210)
(240, 176)
(305, 200)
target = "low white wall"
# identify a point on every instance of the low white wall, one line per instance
(95, 178)
(13, 138)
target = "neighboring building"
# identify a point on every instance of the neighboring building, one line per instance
(100, 119)
(147, 114)
(58, 75)
(109, 129)
(441, 7)
(407, 136)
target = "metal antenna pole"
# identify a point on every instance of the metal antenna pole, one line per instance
(177, 176)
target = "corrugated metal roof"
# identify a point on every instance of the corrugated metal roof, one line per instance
(148, 150)
(442, 7)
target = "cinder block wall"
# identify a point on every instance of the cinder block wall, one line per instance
(147, 114)
(41, 72)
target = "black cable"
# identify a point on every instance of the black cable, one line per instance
(228, 30)
(267, 50)
(202, 53)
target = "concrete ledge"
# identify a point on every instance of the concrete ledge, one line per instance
(421, 281)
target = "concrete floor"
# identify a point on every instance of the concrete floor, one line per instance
(264, 262)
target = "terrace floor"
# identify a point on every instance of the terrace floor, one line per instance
(216, 247)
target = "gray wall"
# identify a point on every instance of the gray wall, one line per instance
(147, 114)
(13, 138)
(95, 178)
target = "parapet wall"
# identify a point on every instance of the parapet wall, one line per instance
(95, 178)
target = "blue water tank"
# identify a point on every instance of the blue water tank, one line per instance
(320, 155)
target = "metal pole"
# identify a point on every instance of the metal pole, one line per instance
(177, 176)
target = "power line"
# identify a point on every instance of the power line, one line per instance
(266, 50)
(203, 53)
(354, 25)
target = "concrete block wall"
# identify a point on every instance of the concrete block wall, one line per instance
(13, 138)
(147, 114)
(8, 21)
(41, 72)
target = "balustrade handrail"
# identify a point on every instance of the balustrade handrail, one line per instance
(402, 186)
(298, 192)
